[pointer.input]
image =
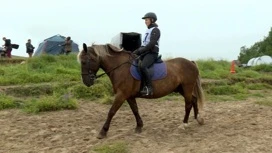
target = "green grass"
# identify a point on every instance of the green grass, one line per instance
(227, 89)
(7, 102)
(41, 81)
(47, 68)
(50, 103)
(259, 86)
(117, 147)
(262, 68)
(213, 69)
(259, 95)
(26, 91)
(265, 103)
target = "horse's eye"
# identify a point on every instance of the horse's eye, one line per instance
(83, 63)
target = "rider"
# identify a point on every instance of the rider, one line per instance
(148, 51)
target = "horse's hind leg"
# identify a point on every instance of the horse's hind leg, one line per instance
(187, 94)
(188, 107)
(194, 100)
(118, 101)
(133, 105)
(199, 119)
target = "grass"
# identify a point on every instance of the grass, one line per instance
(213, 69)
(7, 102)
(50, 103)
(101, 89)
(228, 89)
(265, 103)
(117, 147)
(262, 68)
(47, 68)
(41, 81)
(26, 91)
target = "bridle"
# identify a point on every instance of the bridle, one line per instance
(93, 76)
(90, 73)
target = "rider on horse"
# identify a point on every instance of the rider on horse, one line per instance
(148, 51)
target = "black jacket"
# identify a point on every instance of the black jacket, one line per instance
(29, 47)
(151, 46)
(8, 44)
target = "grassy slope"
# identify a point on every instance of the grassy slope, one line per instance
(41, 80)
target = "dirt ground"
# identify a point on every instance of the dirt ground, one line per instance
(240, 126)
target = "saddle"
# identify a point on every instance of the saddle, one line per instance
(156, 71)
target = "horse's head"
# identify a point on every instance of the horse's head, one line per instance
(89, 65)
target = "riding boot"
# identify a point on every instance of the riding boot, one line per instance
(146, 90)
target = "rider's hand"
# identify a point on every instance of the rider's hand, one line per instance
(137, 52)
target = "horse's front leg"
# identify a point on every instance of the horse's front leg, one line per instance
(133, 105)
(118, 101)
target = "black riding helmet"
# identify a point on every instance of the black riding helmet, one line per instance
(150, 15)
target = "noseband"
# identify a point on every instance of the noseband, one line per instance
(91, 75)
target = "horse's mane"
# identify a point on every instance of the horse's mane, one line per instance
(103, 50)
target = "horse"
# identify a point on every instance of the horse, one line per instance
(182, 77)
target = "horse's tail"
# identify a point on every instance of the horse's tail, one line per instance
(198, 91)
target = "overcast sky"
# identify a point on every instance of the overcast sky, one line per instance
(192, 29)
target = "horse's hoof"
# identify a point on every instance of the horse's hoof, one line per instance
(200, 121)
(102, 135)
(183, 126)
(138, 130)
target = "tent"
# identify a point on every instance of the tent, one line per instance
(264, 60)
(52, 46)
(251, 62)
(260, 60)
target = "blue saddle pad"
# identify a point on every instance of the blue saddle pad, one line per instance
(157, 71)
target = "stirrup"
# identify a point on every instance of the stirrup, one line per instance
(146, 92)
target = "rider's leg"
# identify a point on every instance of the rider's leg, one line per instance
(147, 61)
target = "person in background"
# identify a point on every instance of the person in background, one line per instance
(67, 45)
(7, 46)
(29, 48)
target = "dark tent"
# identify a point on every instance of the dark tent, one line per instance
(52, 46)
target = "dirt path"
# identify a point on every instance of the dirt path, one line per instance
(230, 127)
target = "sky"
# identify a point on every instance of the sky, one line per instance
(192, 29)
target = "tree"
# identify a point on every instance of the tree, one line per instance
(263, 47)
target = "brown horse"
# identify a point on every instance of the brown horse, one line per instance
(182, 77)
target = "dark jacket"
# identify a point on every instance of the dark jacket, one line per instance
(8, 44)
(29, 48)
(151, 46)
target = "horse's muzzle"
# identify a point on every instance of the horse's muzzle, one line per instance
(88, 80)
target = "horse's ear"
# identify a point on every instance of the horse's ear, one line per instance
(85, 47)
